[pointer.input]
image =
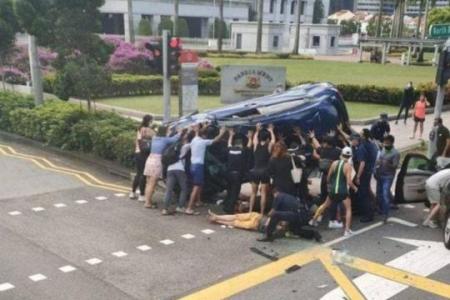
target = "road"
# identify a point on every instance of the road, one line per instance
(69, 232)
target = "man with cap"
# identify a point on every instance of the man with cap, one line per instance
(380, 129)
(339, 181)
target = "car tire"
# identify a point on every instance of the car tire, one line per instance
(447, 231)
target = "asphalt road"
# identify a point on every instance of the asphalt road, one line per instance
(64, 239)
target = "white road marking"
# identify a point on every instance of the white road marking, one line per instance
(188, 236)
(355, 233)
(101, 198)
(119, 254)
(94, 261)
(59, 205)
(37, 209)
(426, 210)
(402, 222)
(67, 269)
(144, 248)
(120, 195)
(15, 213)
(208, 231)
(167, 242)
(37, 277)
(428, 258)
(81, 201)
(409, 206)
(6, 286)
(223, 226)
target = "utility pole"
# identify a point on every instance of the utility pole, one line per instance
(260, 25)
(35, 70)
(130, 34)
(166, 76)
(175, 21)
(380, 18)
(297, 28)
(221, 21)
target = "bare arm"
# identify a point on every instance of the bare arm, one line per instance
(255, 136)
(219, 137)
(250, 139)
(230, 138)
(348, 175)
(315, 142)
(272, 137)
(447, 148)
(138, 137)
(331, 170)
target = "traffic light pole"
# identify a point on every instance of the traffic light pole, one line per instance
(166, 76)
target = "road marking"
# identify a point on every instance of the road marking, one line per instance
(120, 195)
(208, 231)
(167, 242)
(402, 222)
(409, 206)
(6, 286)
(429, 257)
(37, 277)
(15, 213)
(59, 205)
(38, 209)
(81, 201)
(188, 236)
(94, 261)
(426, 210)
(355, 233)
(67, 269)
(144, 248)
(119, 254)
(101, 198)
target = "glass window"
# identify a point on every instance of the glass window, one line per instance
(332, 41)
(293, 6)
(275, 41)
(272, 6)
(239, 41)
(283, 4)
(316, 41)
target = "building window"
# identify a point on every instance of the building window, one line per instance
(275, 41)
(293, 6)
(239, 41)
(316, 41)
(332, 41)
(302, 7)
(283, 4)
(272, 6)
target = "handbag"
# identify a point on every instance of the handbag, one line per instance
(296, 173)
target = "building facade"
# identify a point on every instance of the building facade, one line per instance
(283, 11)
(372, 6)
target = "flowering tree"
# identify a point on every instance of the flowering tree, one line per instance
(128, 58)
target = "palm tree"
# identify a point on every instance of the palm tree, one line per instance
(399, 13)
(380, 18)
(176, 4)
(297, 29)
(221, 23)
(260, 25)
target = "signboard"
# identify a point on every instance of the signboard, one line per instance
(188, 56)
(440, 31)
(242, 82)
(189, 88)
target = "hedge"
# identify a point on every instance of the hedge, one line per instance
(68, 127)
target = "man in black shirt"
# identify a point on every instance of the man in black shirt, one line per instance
(407, 101)
(439, 140)
(380, 129)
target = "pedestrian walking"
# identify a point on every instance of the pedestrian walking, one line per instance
(419, 115)
(385, 171)
(142, 151)
(407, 102)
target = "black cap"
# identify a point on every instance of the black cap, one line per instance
(355, 136)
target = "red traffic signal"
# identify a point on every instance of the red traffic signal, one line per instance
(175, 42)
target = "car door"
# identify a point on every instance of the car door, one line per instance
(410, 186)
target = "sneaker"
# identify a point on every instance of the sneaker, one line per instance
(335, 225)
(313, 223)
(348, 233)
(180, 210)
(430, 224)
(132, 196)
(141, 198)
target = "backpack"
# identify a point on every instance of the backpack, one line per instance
(171, 154)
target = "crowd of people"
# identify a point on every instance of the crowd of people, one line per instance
(269, 173)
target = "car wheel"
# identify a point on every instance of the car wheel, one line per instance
(447, 231)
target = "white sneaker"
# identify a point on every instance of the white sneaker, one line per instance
(132, 196)
(335, 225)
(141, 198)
(430, 224)
(313, 223)
(319, 219)
(348, 233)
(180, 210)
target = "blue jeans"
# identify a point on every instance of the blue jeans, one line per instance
(384, 184)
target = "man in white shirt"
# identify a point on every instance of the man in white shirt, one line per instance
(433, 186)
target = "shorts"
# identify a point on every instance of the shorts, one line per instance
(433, 195)
(198, 174)
(153, 166)
(419, 120)
(259, 176)
(338, 198)
(249, 221)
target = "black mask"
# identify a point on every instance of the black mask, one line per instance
(388, 147)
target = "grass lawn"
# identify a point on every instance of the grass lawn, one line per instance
(341, 72)
(154, 105)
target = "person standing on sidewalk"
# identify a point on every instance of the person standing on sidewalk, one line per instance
(407, 101)
(385, 171)
(420, 110)
(142, 151)
(439, 140)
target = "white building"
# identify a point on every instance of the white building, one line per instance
(315, 39)
(373, 6)
(283, 11)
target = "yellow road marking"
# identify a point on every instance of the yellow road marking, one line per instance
(50, 164)
(400, 276)
(77, 175)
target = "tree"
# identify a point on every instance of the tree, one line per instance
(260, 25)
(221, 27)
(165, 24)
(386, 26)
(349, 27)
(439, 16)
(183, 28)
(298, 14)
(8, 28)
(214, 34)
(318, 13)
(145, 27)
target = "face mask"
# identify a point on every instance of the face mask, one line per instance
(388, 147)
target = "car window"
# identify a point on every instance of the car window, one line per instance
(419, 164)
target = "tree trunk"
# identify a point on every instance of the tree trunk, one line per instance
(380, 19)
(419, 19)
(297, 29)
(425, 29)
(260, 25)
(3, 75)
(35, 70)
(221, 23)
(131, 34)
(175, 21)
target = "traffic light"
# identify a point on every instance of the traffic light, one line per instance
(443, 71)
(174, 48)
(156, 49)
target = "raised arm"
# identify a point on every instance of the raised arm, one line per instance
(230, 137)
(273, 139)
(250, 138)
(315, 142)
(256, 136)
(221, 133)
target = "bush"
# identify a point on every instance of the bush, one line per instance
(10, 102)
(145, 27)
(13, 75)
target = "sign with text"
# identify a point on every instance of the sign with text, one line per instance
(189, 87)
(241, 82)
(440, 31)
